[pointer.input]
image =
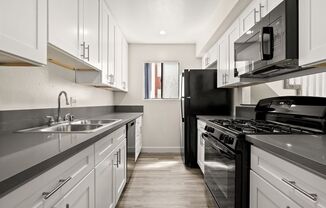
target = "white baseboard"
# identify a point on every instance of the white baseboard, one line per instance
(161, 149)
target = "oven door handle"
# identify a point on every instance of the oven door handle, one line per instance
(222, 150)
(267, 31)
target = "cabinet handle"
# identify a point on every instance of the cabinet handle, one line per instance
(119, 157)
(293, 184)
(62, 182)
(83, 50)
(255, 15)
(260, 10)
(117, 164)
(67, 205)
(87, 48)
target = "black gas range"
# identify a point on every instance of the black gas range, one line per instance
(227, 154)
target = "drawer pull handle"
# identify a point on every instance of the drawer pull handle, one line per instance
(117, 164)
(293, 184)
(62, 182)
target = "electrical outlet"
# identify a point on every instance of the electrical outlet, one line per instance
(73, 101)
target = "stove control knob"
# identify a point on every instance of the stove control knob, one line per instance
(209, 129)
(228, 140)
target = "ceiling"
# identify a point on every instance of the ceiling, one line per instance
(184, 21)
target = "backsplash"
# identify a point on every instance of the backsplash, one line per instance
(38, 87)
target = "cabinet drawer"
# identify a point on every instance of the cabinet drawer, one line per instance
(55, 183)
(263, 194)
(119, 135)
(303, 187)
(107, 144)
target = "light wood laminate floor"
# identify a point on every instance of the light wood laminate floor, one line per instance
(161, 180)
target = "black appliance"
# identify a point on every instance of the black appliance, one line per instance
(270, 47)
(131, 150)
(199, 96)
(227, 154)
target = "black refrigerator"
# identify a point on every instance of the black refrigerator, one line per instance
(199, 96)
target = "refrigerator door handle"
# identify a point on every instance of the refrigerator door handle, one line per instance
(182, 98)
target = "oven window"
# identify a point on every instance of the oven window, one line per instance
(220, 175)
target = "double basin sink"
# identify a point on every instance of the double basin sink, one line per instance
(79, 126)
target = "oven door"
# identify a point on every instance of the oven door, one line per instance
(219, 171)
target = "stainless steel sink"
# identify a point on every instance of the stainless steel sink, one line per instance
(71, 128)
(101, 122)
(81, 126)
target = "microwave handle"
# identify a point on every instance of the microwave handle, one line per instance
(267, 31)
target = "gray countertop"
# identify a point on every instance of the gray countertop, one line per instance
(24, 156)
(306, 151)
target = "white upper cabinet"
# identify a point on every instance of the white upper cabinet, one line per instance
(223, 67)
(124, 65)
(91, 32)
(73, 33)
(255, 11)
(249, 17)
(23, 30)
(233, 34)
(312, 42)
(111, 55)
(64, 18)
(108, 57)
(118, 56)
(210, 58)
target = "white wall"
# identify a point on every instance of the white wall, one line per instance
(38, 87)
(161, 131)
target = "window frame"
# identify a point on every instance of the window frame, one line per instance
(143, 81)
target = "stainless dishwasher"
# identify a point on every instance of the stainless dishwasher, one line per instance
(131, 151)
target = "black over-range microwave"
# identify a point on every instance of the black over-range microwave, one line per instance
(270, 47)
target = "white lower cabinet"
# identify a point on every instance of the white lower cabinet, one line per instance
(139, 137)
(76, 182)
(120, 169)
(81, 196)
(104, 183)
(48, 188)
(264, 195)
(200, 145)
(111, 173)
(275, 182)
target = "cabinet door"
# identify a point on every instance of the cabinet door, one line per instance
(104, 183)
(223, 61)
(265, 6)
(263, 194)
(233, 35)
(249, 17)
(81, 196)
(92, 32)
(118, 56)
(23, 30)
(124, 64)
(120, 169)
(200, 150)
(312, 42)
(64, 23)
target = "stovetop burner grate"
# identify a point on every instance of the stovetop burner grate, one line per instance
(261, 127)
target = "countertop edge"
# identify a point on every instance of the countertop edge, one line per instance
(12, 183)
(296, 159)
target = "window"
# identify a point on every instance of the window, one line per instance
(161, 80)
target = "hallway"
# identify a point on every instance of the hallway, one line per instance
(161, 180)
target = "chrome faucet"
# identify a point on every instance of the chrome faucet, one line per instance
(59, 104)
